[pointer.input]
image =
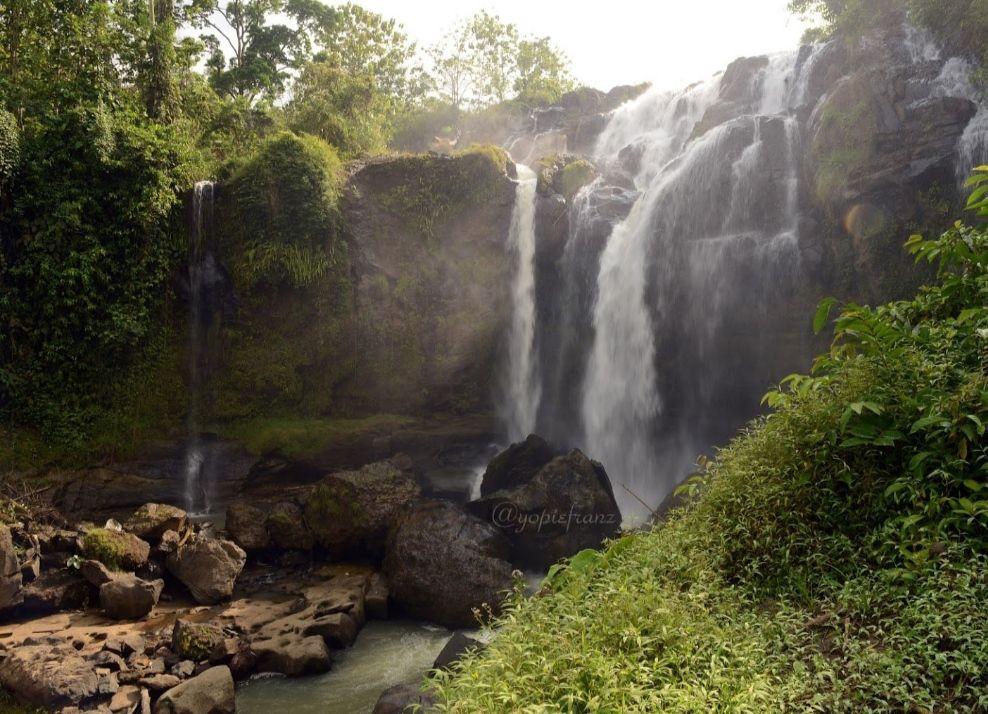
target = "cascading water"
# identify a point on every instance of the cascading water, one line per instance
(202, 272)
(954, 80)
(674, 271)
(522, 390)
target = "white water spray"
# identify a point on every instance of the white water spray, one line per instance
(523, 392)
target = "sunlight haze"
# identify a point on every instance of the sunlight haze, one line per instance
(624, 41)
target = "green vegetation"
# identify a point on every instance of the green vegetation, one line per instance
(831, 558)
(109, 113)
(438, 188)
(302, 437)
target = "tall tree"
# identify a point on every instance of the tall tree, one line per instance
(542, 71)
(252, 53)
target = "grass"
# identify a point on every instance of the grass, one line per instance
(296, 437)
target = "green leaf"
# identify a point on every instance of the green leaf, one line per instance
(823, 314)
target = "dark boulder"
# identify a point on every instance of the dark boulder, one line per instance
(54, 591)
(459, 646)
(517, 464)
(245, 526)
(127, 597)
(403, 698)
(442, 564)
(567, 506)
(349, 513)
(208, 567)
(150, 521)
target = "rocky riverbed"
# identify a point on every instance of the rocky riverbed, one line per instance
(160, 613)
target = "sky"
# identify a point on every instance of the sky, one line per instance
(671, 43)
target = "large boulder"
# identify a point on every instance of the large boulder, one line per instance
(517, 464)
(402, 698)
(245, 526)
(211, 692)
(293, 656)
(208, 567)
(48, 674)
(567, 506)
(442, 564)
(128, 597)
(115, 549)
(349, 513)
(195, 641)
(10, 572)
(151, 520)
(55, 591)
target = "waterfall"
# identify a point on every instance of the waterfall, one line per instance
(201, 275)
(954, 80)
(522, 390)
(711, 240)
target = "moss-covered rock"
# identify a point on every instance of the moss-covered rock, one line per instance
(195, 640)
(115, 549)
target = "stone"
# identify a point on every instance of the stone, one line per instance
(517, 464)
(338, 630)
(349, 513)
(11, 578)
(109, 660)
(376, 599)
(127, 699)
(48, 676)
(566, 507)
(96, 573)
(195, 640)
(169, 542)
(208, 567)
(151, 520)
(292, 656)
(55, 591)
(124, 645)
(160, 682)
(286, 524)
(211, 692)
(245, 526)
(442, 563)
(184, 669)
(404, 697)
(454, 650)
(128, 597)
(115, 549)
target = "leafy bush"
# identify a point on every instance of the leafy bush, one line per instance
(831, 558)
(89, 241)
(283, 216)
(10, 146)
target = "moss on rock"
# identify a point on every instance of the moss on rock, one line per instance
(115, 549)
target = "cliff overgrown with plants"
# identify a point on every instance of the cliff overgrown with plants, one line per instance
(109, 113)
(830, 558)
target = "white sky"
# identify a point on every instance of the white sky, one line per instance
(669, 42)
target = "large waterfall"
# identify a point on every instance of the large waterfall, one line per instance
(715, 228)
(521, 391)
(680, 286)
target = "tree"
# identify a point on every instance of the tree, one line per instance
(543, 72)
(364, 44)
(493, 45)
(347, 110)
(252, 55)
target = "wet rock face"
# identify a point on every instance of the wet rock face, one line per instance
(10, 572)
(443, 563)
(431, 280)
(208, 567)
(554, 510)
